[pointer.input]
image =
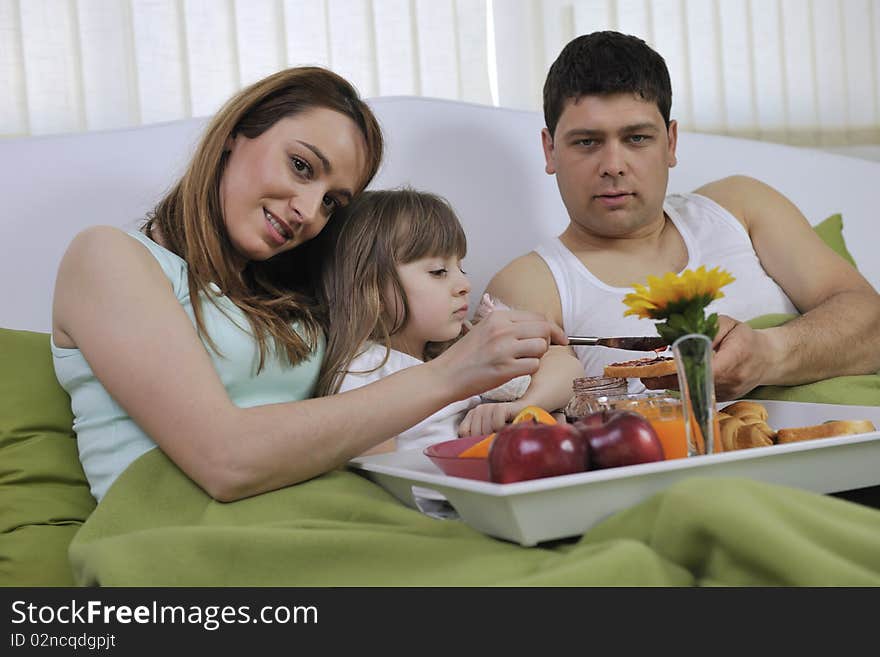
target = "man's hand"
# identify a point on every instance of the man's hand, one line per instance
(741, 361)
(742, 358)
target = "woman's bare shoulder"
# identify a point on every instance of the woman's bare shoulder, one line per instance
(108, 240)
(107, 249)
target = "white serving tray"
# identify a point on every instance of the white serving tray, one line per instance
(530, 512)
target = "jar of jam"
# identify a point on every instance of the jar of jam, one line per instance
(587, 389)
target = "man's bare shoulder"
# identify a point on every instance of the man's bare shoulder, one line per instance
(528, 284)
(527, 264)
(740, 194)
(730, 185)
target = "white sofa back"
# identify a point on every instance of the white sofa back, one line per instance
(487, 161)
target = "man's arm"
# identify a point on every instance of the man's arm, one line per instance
(527, 284)
(838, 332)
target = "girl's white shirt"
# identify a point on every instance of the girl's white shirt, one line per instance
(441, 426)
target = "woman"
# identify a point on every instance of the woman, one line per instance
(221, 384)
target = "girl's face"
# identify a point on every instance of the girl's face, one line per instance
(279, 189)
(436, 292)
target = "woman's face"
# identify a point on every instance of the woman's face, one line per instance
(279, 189)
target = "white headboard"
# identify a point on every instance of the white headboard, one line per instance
(487, 161)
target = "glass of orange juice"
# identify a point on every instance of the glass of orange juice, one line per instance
(666, 416)
(663, 411)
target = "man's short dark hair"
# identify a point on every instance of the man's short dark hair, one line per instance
(603, 63)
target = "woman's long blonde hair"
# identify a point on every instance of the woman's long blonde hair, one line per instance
(279, 292)
(378, 231)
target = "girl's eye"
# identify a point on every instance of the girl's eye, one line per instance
(330, 203)
(462, 271)
(438, 272)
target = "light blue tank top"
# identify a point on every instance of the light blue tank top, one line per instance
(109, 440)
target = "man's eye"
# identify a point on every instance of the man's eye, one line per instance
(638, 139)
(586, 142)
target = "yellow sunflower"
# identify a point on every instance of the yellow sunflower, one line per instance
(681, 300)
(673, 292)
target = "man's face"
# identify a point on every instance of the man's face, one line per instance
(611, 156)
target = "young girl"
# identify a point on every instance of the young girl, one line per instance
(397, 264)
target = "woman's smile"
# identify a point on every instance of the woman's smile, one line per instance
(279, 231)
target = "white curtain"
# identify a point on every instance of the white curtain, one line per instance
(71, 65)
(804, 72)
(797, 71)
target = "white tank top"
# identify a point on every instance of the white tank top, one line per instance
(713, 237)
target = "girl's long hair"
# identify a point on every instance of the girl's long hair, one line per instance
(278, 292)
(379, 230)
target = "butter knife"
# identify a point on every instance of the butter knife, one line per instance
(644, 343)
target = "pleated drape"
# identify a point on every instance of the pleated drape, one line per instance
(804, 72)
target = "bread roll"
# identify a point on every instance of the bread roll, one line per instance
(826, 430)
(744, 424)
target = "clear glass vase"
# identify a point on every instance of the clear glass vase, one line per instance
(693, 361)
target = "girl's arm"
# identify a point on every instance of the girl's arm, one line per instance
(550, 389)
(113, 302)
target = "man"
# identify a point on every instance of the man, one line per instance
(610, 142)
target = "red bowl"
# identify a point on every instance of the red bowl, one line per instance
(445, 456)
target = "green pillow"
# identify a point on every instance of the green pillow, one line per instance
(831, 232)
(44, 495)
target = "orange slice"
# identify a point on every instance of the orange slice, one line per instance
(535, 414)
(480, 450)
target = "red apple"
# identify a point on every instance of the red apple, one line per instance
(529, 450)
(618, 438)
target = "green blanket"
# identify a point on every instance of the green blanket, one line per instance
(156, 528)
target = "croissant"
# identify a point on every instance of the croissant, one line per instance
(747, 429)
